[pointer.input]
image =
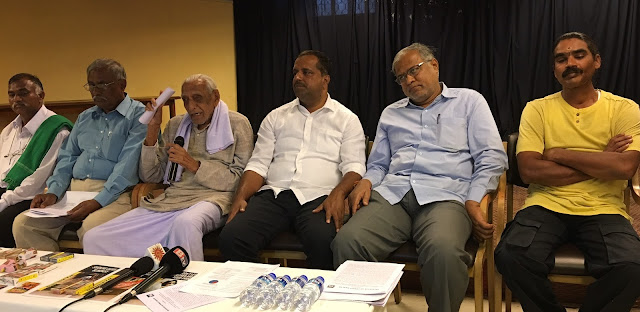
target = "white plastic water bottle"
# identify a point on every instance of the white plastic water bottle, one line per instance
(248, 296)
(309, 294)
(284, 298)
(267, 295)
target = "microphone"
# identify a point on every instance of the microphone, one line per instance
(156, 252)
(174, 167)
(140, 267)
(173, 262)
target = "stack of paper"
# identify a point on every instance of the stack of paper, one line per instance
(368, 282)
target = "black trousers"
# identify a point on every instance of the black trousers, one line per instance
(6, 221)
(525, 256)
(267, 216)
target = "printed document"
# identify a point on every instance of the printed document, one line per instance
(228, 280)
(370, 282)
(170, 299)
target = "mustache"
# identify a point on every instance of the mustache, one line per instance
(571, 70)
(299, 84)
(97, 97)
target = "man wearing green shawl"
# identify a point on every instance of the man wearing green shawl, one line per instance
(29, 148)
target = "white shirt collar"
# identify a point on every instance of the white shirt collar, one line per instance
(35, 122)
(329, 104)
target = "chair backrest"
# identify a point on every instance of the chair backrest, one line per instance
(513, 174)
(368, 145)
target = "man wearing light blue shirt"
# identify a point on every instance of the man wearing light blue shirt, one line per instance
(101, 155)
(436, 154)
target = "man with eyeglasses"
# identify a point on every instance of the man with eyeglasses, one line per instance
(101, 155)
(28, 147)
(436, 154)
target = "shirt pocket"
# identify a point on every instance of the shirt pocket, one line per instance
(452, 133)
(112, 146)
(328, 141)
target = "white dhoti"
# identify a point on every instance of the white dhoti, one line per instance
(130, 234)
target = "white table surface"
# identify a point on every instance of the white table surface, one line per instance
(23, 302)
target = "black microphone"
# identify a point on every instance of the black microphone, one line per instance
(140, 267)
(173, 262)
(174, 167)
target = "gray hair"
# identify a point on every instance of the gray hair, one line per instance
(208, 81)
(112, 65)
(426, 53)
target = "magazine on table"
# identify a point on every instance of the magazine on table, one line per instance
(78, 283)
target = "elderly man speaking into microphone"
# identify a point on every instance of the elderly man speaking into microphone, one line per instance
(217, 146)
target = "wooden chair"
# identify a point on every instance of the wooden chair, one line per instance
(287, 247)
(569, 261)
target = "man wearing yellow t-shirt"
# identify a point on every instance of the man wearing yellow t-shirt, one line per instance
(577, 148)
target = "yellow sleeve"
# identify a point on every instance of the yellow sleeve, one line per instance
(531, 132)
(628, 122)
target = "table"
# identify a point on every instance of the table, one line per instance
(22, 302)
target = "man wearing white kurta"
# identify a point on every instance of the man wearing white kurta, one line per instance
(217, 146)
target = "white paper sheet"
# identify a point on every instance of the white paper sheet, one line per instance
(170, 299)
(146, 117)
(228, 280)
(372, 299)
(59, 209)
(361, 277)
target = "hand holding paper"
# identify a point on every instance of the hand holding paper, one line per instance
(69, 200)
(164, 96)
(43, 200)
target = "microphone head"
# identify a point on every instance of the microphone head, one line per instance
(142, 266)
(176, 259)
(179, 140)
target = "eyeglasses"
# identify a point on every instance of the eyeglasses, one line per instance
(101, 86)
(16, 153)
(413, 71)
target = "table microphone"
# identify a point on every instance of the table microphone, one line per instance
(174, 167)
(173, 262)
(140, 267)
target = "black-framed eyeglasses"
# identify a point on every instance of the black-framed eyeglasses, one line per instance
(413, 71)
(101, 86)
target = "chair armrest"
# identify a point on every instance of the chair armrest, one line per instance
(143, 189)
(634, 184)
(495, 203)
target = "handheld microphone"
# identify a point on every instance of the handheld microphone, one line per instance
(173, 262)
(174, 167)
(140, 267)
